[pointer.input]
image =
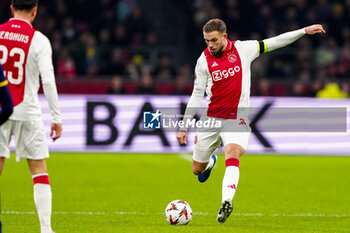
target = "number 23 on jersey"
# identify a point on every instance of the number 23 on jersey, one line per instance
(17, 56)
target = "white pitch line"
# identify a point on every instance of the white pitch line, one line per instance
(185, 156)
(14, 212)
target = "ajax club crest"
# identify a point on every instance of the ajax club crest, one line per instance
(232, 58)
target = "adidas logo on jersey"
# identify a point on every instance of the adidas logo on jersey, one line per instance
(214, 64)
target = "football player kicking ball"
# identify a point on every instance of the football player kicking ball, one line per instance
(25, 53)
(223, 71)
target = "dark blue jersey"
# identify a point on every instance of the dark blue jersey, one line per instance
(5, 98)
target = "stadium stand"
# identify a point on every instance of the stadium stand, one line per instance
(96, 40)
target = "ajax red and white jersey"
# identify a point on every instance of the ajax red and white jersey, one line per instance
(226, 78)
(25, 53)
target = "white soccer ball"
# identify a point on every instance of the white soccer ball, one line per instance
(178, 212)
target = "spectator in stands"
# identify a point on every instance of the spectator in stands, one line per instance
(341, 68)
(136, 23)
(331, 90)
(277, 69)
(322, 9)
(116, 87)
(316, 86)
(56, 43)
(84, 53)
(137, 41)
(205, 10)
(345, 87)
(263, 18)
(123, 24)
(119, 36)
(116, 64)
(68, 30)
(108, 16)
(65, 65)
(181, 86)
(103, 52)
(165, 70)
(146, 85)
(185, 70)
(264, 88)
(124, 8)
(90, 55)
(137, 68)
(150, 47)
(297, 89)
(305, 76)
(327, 53)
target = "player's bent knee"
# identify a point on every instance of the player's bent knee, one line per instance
(233, 151)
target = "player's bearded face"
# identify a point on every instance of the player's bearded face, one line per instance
(216, 42)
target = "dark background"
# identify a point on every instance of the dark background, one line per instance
(151, 47)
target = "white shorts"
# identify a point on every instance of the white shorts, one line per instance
(232, 131)
(30, 139)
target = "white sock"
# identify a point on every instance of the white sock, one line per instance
(43, 199)
(230, 181)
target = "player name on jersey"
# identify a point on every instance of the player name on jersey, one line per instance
(5, 35)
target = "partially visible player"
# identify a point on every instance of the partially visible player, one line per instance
(25, 54)
(6, 108)
(223, 71)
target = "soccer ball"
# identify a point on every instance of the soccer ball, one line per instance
(178, 212)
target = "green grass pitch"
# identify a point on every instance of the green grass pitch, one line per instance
(128, 193)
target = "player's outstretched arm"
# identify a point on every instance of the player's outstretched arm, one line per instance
(315, 29)
(287, 38)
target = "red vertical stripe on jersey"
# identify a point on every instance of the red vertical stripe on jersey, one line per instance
(226, 74)
(15, 39)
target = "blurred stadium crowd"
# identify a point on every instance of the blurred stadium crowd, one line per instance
(151, 47)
